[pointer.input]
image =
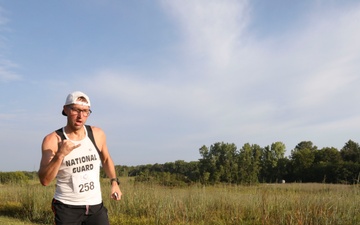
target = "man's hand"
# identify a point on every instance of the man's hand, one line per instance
(116, 193)
(65, 146)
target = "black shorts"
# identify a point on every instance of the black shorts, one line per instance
(79, 215)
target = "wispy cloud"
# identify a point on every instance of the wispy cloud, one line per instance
(6, 66)
(218, 71)
(6, 71)
(236, 85)
(211, 30)
(322, 57)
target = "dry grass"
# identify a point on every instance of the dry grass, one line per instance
(223, 204)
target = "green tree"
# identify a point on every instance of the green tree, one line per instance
(303, 157)
(269, 162)
(219, 163)
(326, 165)
(193, 172)
(351, 152)
(227, 163)
(17, 177)
(327, 155)
(205, 165)
(249, 163)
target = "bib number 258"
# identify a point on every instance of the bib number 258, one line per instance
(86, 187)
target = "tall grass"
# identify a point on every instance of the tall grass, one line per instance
(223, 204)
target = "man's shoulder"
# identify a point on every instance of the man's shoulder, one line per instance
(96, 130)
(93, 128)
(51, 137)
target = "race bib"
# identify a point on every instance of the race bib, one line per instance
(83, 182)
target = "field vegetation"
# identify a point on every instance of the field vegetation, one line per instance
(149, 203)
(227, 185)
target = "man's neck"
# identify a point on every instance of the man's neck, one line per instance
(75, 134)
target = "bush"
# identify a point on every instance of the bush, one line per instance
(17, 177)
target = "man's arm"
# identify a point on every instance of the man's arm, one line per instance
(107, 162)
(53, 151)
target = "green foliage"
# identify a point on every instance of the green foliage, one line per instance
(303, 157)
(17, 177)
(351, 152)
(179, 173)
(219, 164)
(144, 203)
(270, 158)
(251, 164)
(31, 202)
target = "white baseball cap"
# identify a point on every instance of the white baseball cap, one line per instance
(78, 98)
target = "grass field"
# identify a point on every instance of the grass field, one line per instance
(13, 221)
(222, 204)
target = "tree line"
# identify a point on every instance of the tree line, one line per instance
(251, 164)
(225, 163)
(16, 177)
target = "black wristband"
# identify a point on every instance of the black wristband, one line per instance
(115, 179)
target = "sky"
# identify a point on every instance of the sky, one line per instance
(166, 77)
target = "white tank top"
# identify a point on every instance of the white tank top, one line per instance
(78, 178)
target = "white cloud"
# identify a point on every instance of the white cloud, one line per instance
(6, 73)
(281, 89)
(211, 29)
(331, 52)
(6, 66)
(122, 88)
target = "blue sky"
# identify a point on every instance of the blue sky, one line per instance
(167, 77)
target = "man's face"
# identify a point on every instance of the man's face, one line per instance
(77, 114)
